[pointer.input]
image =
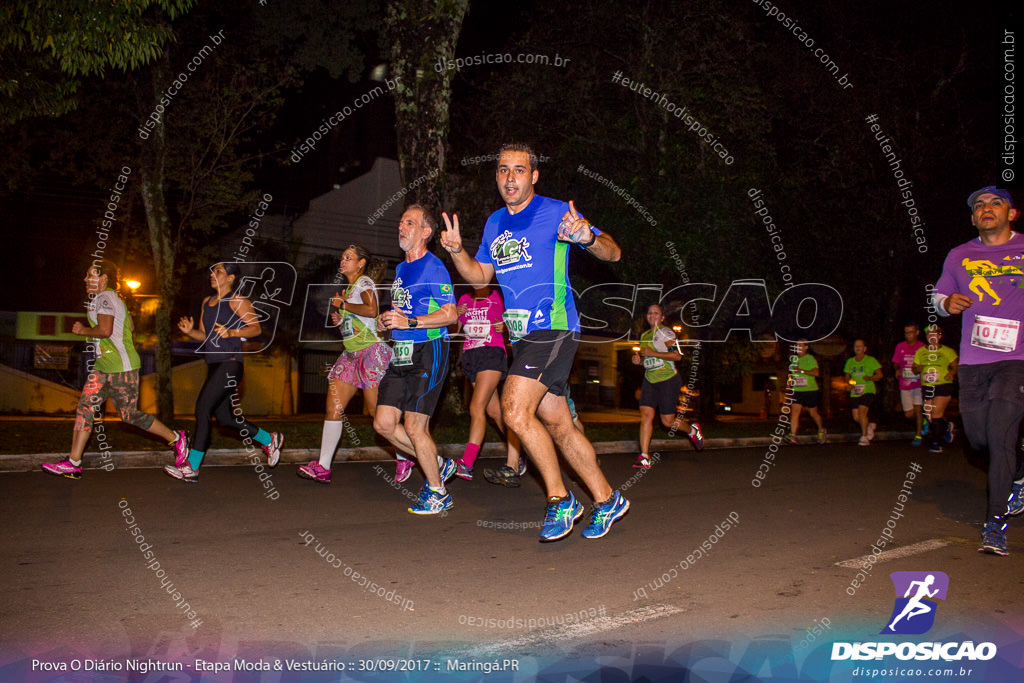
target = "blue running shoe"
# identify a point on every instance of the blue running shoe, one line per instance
(917, 441)
(559, 517)
(948, 436)
(1015, 505)
(431, 502)
(606, 514)
(993, 539)
(447, 468)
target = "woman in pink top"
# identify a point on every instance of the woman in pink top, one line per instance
(484, 361)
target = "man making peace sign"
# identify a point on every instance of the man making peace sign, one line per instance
(526, 245)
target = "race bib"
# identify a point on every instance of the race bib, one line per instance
(478, 330)
(858, 390)
(651, 363)
(403, 353)
(799, 380)
(347, 328)
(516, 319)
(995, 334)
(908, 373)
(931, 376)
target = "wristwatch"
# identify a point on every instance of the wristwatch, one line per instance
(593, 238)
(413, 322)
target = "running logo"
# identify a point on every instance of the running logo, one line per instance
(914, 612)
(399, 294)
(505, 251)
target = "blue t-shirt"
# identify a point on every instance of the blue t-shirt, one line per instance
(531, 266)
(421, 287)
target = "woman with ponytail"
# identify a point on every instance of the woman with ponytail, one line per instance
(113, 373)
(225, 319)
(362, 364)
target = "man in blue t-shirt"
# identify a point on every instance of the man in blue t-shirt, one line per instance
(526, 246)
(422, 306)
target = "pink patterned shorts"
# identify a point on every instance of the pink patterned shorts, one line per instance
(362, 369)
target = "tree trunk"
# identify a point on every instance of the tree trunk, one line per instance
(151, 180)
(422, 35)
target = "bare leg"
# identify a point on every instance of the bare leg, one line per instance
(646, 428)
(416, 427)
(387, 423)
(578, 451)
(520, 401)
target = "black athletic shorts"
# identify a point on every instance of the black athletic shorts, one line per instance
(546, 356)
(663, 396)
(866, 400)
(931, 391)
(484, 358)
(807, 399)
(416, 387)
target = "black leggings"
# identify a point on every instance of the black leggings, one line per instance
(216, 399)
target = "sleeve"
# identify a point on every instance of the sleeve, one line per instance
(666, 337)
(106, 303)
(362, 284)
(464, 300)
(846, 367)
(442, 285)
(496, 308)
(896, 357)
(953, 355)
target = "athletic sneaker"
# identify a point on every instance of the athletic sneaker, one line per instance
(447, 469)
(864, 441)
(1015, 505)
(871, 430)
(925, 427)
(64, 468)
(948, 436)
(935, 448)
(993, 539)
(560, 515)
(314, 471)
(696, 436)
(522, 465)
(792, 441)
(643, 462)
(181, 448)
(917, 441)
(503, 476)
(462, 471)
(184, 473)
(821, 435)
(403, 468)
(431, 502)
(273, 449)
(606, 514)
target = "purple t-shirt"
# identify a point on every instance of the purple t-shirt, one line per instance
(479, 320)
(993, 277)
(903, 357)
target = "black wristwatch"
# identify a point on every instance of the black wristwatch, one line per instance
(413, 322)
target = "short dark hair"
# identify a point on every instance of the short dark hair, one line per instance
(520, 147)
(108, 268)
(428, 219)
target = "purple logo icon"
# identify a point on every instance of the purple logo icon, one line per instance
(916, 593)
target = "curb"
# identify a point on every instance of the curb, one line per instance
(234, 457)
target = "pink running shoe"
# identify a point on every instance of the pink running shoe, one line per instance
(64, 468)
(273, 449)
(462, 471)
(403, 468)
(314, 471)
(181, 448)
(696, 436)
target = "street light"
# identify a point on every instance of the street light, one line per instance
(132, 285)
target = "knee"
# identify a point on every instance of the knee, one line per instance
(383, 425)
(415, 430)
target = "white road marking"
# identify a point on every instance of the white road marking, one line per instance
(577, 630)
(895, 553)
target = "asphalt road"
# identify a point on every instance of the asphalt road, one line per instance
(271, 574)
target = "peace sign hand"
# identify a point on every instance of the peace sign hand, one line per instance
(451, 238)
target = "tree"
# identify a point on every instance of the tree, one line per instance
(421, 36)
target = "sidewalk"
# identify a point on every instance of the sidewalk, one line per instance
(228, 457)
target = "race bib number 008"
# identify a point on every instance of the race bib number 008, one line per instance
(516, 319)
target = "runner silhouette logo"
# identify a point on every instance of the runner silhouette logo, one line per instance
(916, 593)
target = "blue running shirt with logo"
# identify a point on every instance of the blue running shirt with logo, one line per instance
(421, 287)
(531, 266)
